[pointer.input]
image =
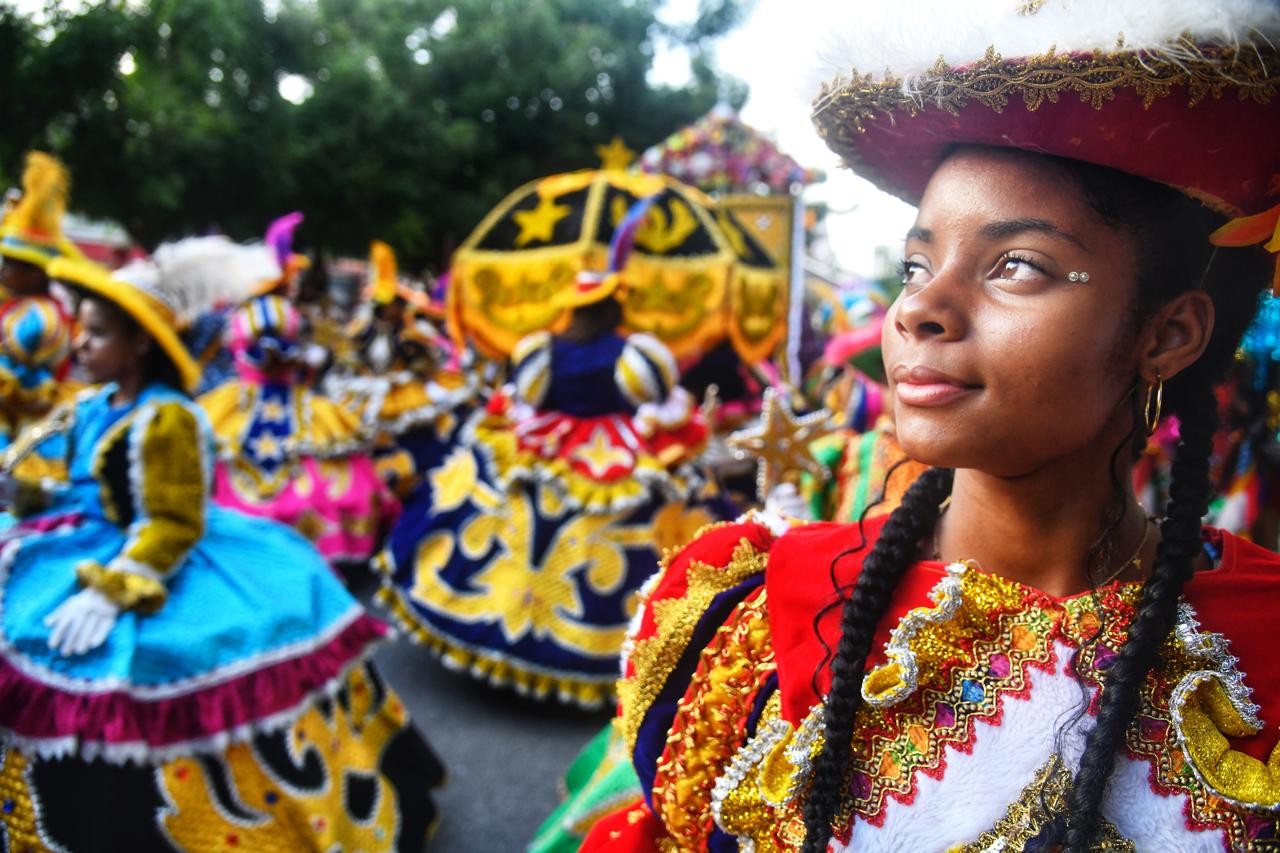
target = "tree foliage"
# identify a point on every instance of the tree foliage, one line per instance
(410, 119)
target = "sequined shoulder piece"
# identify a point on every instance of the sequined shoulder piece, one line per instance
(1198, 725)
(681, 609)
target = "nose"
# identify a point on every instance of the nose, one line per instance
(933, 310)
(80, 341)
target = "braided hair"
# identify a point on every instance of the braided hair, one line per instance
(882, 569)
(1174, 256)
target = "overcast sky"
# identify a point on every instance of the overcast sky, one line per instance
(773, 53)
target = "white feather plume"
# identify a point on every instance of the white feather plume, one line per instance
(197, 274)
(904, 38)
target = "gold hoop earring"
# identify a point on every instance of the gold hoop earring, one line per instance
(1155, 402)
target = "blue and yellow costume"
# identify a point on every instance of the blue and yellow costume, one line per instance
(217, 713)
(35, 329)
(35, 340)
(520, 555)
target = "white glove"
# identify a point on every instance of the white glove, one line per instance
(785, 501)
(671, 413)
(81, 623)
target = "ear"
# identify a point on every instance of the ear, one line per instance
(1176, 336)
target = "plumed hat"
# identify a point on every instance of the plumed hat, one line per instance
(32, 230)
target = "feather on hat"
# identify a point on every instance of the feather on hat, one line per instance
(32, 231)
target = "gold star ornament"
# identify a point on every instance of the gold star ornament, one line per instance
(615, 155)
(540, 223)
(782, 442)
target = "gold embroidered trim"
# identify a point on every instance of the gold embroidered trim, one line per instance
(130, 591)
(1038, 803)
(490, 666)
(20, 822)
(750, 800)
(654, 658)
(710, 724)
(1204, 72)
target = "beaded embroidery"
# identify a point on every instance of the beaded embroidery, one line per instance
(1027, 817)
(711, 720)
(967, 666)
(1210, 648)
(654, 658)
(1191, 658)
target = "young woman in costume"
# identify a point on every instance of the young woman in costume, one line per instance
(520, 555)
(159, 691)
(869, 476)
(1018, 658)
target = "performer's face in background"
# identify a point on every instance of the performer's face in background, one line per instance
(23, 279)
(108, 346)
(999, 362)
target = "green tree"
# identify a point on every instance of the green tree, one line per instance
(409, 119)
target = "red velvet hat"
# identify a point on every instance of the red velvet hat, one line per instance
(1184, 92)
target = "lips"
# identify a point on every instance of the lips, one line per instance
(925, 387)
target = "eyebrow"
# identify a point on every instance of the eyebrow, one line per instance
(1011, 227)
(1008, 228)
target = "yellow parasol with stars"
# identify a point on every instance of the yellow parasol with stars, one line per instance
(531, 247)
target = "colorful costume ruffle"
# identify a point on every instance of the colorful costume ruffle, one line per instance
(520, 555)
(975, 716)
(289, 454)
(219, 713)
(297, 457)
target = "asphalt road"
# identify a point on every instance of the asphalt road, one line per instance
(505, 755)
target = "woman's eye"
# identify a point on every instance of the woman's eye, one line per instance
(912, 272)
(1012, 268)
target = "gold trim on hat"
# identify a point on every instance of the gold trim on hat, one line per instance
(847, 103)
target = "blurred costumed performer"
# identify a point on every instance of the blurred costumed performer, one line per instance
(160, 691)
(35, 328)
(405, 399)
(519, 556)
(287, 452)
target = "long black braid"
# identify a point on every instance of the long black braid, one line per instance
(1170, 234)
(883, 567)
(1180, 544)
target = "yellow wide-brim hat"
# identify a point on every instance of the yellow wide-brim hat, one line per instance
(149, 310)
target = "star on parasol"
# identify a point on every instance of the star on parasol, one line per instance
(539, 223)
(782, 441)
(615, 155)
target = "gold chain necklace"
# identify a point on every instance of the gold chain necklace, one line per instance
(1135, 561)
